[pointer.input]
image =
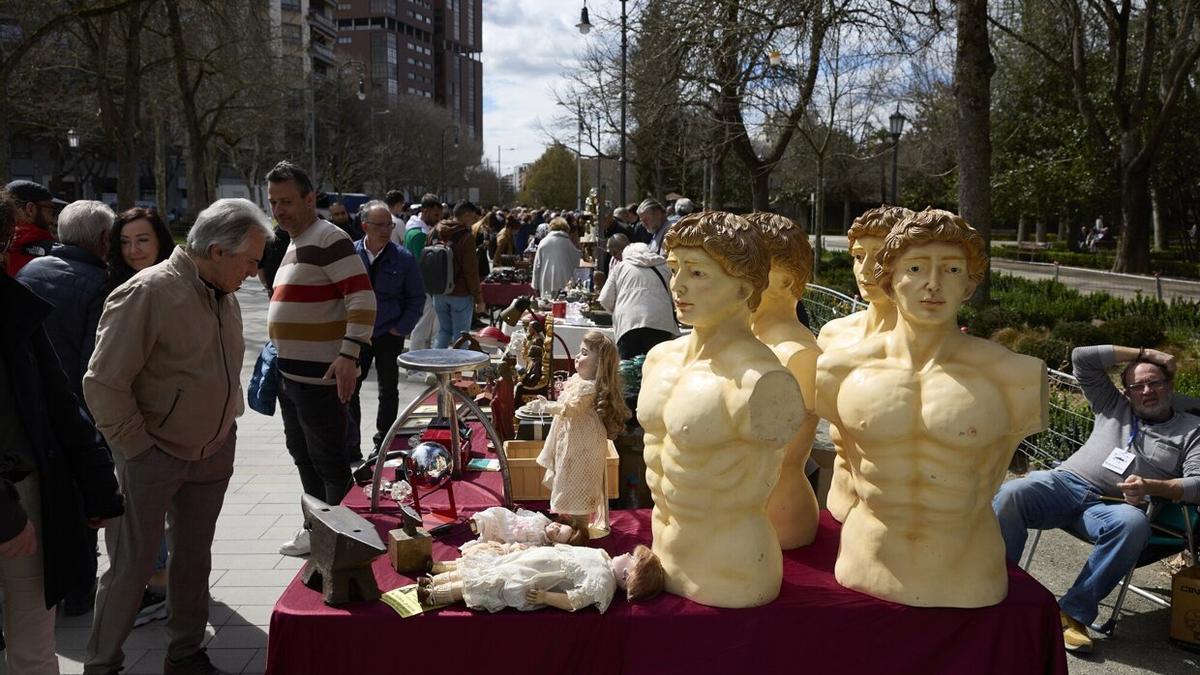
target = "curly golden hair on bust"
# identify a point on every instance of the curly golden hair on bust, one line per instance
(729, 239)
(610, 393)
(877, 222)
(787, 244)
(931, 226)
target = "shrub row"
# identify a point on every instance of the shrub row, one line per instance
(1168, 264)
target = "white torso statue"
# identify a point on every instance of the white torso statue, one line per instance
(929, 419)
(718, 410)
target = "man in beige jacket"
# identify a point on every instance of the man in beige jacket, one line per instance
(163, 385)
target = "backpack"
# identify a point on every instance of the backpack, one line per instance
(437, 266)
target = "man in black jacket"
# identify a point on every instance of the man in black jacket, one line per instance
(56, 476)
(74, 279)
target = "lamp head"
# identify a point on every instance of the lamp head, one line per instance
(584, 25)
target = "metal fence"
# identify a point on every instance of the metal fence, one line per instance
(1070, 418)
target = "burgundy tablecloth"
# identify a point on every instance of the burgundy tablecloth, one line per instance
(814, 626)
(502, 294)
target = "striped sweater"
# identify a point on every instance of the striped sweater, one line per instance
(322, 304)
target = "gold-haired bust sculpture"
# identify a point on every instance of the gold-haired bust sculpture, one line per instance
(929, 418)
(718, 411)
(865, 241)
(792, 508)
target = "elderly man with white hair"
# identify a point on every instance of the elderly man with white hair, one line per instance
(164, 387)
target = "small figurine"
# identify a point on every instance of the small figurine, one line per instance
(590, 410)
(566, 577)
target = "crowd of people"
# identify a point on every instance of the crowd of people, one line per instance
(121, 384)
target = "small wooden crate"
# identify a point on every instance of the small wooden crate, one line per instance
(527, 475)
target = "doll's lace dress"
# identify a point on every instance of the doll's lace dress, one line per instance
(499, 524)
(575, 449)
(495, 583)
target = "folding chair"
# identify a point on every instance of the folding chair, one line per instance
(1172, 530)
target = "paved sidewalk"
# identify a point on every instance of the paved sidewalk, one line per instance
(262, 510)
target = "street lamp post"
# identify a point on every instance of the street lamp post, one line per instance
(442, 176)
(500, 174)
(896, 124)
(585, 27)
(361, 95)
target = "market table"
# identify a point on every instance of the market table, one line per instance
(500, 295)
(815, 625)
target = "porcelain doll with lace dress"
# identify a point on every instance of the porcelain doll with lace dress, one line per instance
(562, 576)
(590, 410)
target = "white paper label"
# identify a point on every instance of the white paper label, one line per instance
(1118, 461)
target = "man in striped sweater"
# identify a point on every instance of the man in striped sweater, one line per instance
(322, 314)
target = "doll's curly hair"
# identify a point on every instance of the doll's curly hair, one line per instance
(610, 394)
(647, 578)
(732, 241)
(787, 245)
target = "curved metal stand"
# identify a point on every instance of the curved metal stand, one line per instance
(445, 394)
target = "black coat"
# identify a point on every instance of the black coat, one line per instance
(76, 282)
(74, 466)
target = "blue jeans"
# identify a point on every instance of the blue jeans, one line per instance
(1053, 499)
(454, 313)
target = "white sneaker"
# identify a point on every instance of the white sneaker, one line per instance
(299, 545)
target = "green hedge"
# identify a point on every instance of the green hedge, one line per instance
(1169, 264)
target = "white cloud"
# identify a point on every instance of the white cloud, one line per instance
(527, 45)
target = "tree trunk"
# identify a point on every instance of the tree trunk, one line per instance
(160, 163)
(1039, 230)
(198, 195)
(1160, 228)
(760, 188)
(1064, 227)
(1133, 245)
(1022, 228)
(973, 68)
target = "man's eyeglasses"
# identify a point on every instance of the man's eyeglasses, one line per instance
(1142, 387)
(389, 223)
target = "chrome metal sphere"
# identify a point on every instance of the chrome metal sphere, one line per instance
(431, 465)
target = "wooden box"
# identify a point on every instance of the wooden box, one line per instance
(409, 554)
(527, 475)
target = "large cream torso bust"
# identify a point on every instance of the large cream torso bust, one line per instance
(792, 507)
(878, 317)
(718, 410)
(715, 435)
(929, 419)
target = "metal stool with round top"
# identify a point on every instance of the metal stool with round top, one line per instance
(443, 363)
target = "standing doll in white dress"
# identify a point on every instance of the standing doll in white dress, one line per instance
(590, 411)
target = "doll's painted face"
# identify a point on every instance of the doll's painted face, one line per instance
(585, 363)
(559, 533)
(621, 567)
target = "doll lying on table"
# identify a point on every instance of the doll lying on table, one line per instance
(590, 410)
(562, 576)
(500, 531)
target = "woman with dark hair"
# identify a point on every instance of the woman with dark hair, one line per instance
(139, 239)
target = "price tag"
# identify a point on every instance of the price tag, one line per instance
(1118, 461)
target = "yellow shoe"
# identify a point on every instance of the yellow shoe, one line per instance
(1075, 635)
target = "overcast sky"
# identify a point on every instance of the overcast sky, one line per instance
(526, 46)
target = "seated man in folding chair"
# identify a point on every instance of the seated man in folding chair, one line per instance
(1142, 445)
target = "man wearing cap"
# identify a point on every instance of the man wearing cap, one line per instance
(32, 237)
(652, 228)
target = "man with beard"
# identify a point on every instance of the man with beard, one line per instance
(1142, 445)
(33, 235)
